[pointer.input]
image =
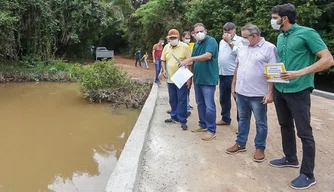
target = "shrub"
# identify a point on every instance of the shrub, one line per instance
(103, 81)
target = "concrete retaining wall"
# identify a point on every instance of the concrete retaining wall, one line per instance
(324, 94)
(125, 177)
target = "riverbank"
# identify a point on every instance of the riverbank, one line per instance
(117, 83)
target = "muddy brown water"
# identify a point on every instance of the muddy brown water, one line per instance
(53, 140)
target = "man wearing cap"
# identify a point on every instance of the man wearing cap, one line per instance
(177, 97)
(205, 67)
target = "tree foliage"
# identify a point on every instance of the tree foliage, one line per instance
(45, 28)
(153, 20)
(49, 28)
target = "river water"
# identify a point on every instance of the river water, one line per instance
(53, 140)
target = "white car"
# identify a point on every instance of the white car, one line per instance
(104, 53)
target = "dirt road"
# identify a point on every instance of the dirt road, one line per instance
(135, 72)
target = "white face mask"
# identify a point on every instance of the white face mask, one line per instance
(245, 42)
(227, 35)
(174, 42)
(200, 36)
(275, 25)
(186, 41)
(162, 43)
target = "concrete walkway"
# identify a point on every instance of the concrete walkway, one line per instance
(179, 161)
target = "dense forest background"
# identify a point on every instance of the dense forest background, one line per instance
(50, 29)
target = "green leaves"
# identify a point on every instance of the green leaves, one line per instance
(49, 27)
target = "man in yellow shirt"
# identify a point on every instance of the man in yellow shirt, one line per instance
(177, 97)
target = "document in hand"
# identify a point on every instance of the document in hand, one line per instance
(181, 76)
(273, 72)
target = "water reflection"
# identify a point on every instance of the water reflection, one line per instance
(53, 140)
(86, 181)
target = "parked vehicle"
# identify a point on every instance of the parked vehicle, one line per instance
(104, 53)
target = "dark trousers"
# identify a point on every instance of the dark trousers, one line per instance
(290, 108)
(138, 60)
(225, 82)
(178, 102)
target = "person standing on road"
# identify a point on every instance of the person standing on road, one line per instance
(176, 51)
(186, 38)
(138, 58)
(298, 48)
(156, 54)
(252, 90)
(228, 49)
(145, 57)
(204, 61)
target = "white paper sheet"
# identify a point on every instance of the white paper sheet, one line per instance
(181, 76)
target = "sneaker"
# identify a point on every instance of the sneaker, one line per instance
(302, 182)
(199, 129)
(283, 163)
(235, 149)
(171, 121)
(169, 111)
(221, 122)
(208, 136)
(184, 126)
(259, 156)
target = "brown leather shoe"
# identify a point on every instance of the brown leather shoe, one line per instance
(235, 149)
(221, 122)
(259, 155)
(208, 136)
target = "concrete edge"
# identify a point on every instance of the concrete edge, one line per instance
(125, 177)
(324, 94)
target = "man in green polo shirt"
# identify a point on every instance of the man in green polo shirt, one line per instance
(205, 68)
(298, 48)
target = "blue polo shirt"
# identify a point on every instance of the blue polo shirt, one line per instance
(206, 72)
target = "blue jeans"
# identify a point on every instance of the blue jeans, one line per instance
(146, 64)
(205, 99)
(225, 96)
(178, 102)
(157, 70)
(188, 100)
(247, 105)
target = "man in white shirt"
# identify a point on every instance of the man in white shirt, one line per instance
(228, 49)
(252, 89)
